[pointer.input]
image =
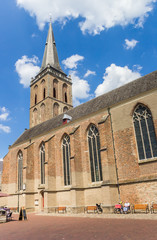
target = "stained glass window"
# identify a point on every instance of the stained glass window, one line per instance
(42, 163)
(66, 159)
(20, 171)
(145, 132)
(94, 154)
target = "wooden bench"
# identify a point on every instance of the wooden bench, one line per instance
(60, 209)
(13, 209)
(90, 209)
(153, 207)
(140, 207)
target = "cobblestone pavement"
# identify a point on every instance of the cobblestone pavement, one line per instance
(45, 227)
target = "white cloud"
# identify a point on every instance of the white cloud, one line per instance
(1, 159)
(72, 61)
(33, 35)
(26, 69)
(114, 77)
(96, 15)
(80, 88)
(5, 129)
(4, 113)
(137, 68)
(130, 44)
(89, 72)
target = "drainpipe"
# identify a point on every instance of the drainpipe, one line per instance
(114, 153)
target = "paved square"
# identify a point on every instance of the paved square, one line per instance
(78, 228)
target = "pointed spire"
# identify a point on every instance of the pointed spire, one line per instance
(50, 53)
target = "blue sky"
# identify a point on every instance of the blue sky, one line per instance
(101, 44)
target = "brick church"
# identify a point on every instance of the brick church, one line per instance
(102, 151)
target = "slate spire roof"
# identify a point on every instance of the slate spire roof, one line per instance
(50, 53)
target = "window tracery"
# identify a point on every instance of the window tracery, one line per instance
(20, 171)
(66, 159)
(94, 154)
(145, 132)
(42, 163)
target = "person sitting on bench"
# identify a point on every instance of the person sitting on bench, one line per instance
(126, 207)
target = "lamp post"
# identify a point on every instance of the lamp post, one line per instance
(18, 202)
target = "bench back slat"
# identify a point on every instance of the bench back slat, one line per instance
(140, 206)
(154, 205)
(91, 208)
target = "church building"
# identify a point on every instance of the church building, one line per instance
(103, 151)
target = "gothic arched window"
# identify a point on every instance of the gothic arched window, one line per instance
(42, 112)
(55, 109)
(66, 159)
(44, 93)
(35, 99)
(94, 154)
(35, 116)
(20, 171)
(65, 109)
(145, 132)
(65, 97)
(42, 163)
(55, 88)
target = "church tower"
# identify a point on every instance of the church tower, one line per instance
(51, 89)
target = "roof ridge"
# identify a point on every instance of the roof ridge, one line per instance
(103, 101)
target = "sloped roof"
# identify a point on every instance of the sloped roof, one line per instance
(106, 100)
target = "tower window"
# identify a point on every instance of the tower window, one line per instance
(42, 112)
(145, 132)
(44, 93)
(66, 159)
(20, 171)
(35, 99)
(94, 154)
(35, 116)
(65, 109)
(54, 92)
(55, 88)
(55, 109)
(65, 97)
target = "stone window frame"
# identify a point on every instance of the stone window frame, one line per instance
(66, 154)
(56, 105)
(65, 109)
(44, 93)
(35, 95)
(42, 112)
(94, 153)
(35, 99)
(137, 117)
(35, 121)
(20, 170)
(55, 88)
(42, 163)
(65, 93)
